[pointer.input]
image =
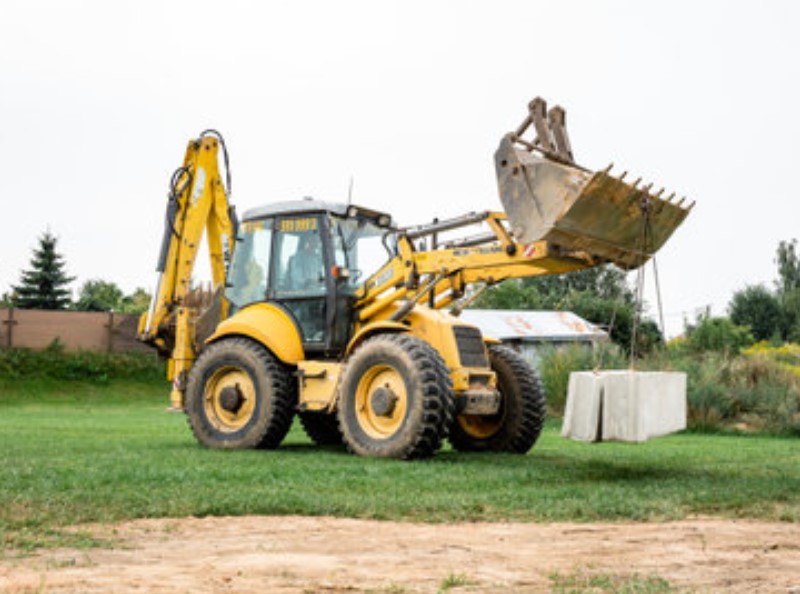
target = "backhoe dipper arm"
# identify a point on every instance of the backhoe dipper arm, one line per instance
(197, 203)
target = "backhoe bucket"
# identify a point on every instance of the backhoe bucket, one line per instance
(548, 197)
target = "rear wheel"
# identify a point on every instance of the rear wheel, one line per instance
(321, 427)
(395, 398)
(518, 423)
(239, 396)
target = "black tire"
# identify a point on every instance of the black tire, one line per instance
(256, 411)
(518, 423)
(321, 427)
(395, 399)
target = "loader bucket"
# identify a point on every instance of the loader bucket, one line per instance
(546, 196)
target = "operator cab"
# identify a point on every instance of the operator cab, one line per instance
(309, 257)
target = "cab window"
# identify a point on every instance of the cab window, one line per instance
(248, 273)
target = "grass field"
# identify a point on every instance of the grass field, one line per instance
(75, 452)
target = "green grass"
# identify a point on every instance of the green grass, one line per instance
(583, 581)
(75, 452)
(453, 580)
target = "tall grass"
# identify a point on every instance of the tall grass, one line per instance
(556, 363)
(744, 392)
(758, 390)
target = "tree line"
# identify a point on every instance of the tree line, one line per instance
(756, 313)
(45, 285)
(602, 296)
(772, 314)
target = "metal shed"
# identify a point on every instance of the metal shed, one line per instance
(527, 331)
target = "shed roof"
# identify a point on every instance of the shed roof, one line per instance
(534, 326)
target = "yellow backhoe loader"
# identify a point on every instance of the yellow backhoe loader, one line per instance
(331, 312)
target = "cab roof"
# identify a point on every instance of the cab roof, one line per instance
(311, 205)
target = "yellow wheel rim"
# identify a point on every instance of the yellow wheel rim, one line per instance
(229, 399)
(480, 427)
(483, 426)
(381, 401)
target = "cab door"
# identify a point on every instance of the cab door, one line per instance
(300, 279)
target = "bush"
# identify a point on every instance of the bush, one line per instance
(758, 390)
(718, 335)
(750, 392)
(788, 355)
(758, 309)
(54, 363)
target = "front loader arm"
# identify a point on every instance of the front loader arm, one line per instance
(197, 204)
(442, 274)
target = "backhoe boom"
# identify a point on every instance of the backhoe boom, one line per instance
(197, 204)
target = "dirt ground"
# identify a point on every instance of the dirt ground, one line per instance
(305, 555)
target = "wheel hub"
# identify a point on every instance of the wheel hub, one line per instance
(383, 401)
(231, 398)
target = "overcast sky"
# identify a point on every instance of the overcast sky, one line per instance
(409, 98)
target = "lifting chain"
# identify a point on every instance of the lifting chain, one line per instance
(645, 242)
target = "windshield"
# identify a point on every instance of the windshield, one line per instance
(247, 277)
(359, 247)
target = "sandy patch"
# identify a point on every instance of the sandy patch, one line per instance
(304, 555)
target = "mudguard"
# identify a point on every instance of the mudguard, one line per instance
(267, 324)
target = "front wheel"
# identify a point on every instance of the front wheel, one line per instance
(395, 398)
(518, 423)
(238, 396)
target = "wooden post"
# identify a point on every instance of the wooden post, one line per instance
(110, 326)
(10, 323)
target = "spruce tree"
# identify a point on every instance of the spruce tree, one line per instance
(44, 286)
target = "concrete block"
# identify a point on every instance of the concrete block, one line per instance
(582, 411)
(623, 405)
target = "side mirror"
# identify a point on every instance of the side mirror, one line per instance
(340, 274)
